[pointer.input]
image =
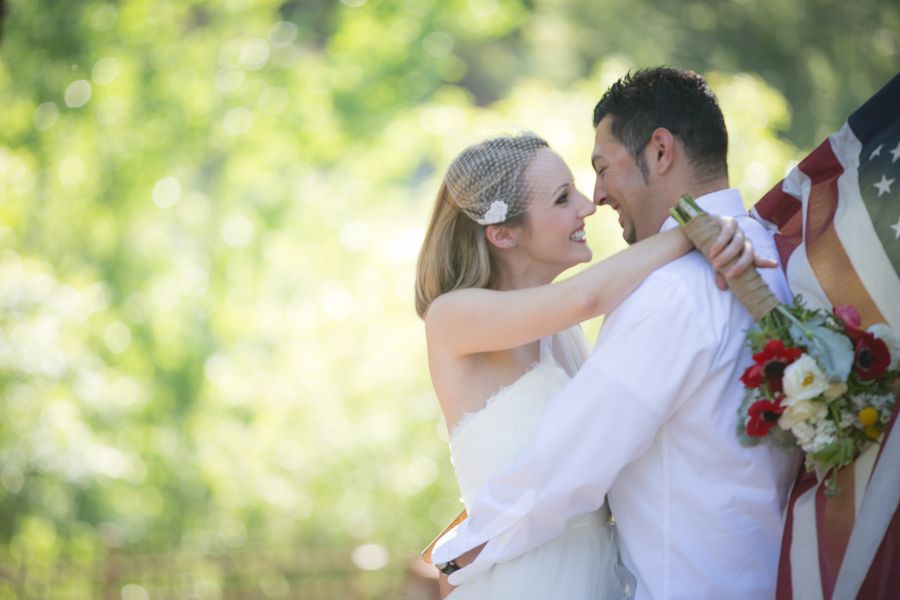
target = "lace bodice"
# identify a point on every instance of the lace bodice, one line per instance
(486, 442)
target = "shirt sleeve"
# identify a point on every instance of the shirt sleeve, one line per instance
(650, 354)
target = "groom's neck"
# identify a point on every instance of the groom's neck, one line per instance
(702, 187)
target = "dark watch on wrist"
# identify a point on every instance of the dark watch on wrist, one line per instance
(448, 567)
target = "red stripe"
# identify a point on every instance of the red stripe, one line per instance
(835, 516)
(777, 206)
(783, 211)
(823, 169)
(882, 582)
(827, 571)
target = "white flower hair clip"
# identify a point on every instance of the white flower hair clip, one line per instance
(495, 214)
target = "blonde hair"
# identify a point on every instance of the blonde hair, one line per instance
(455, 253)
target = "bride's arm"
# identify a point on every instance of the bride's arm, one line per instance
(475, 320)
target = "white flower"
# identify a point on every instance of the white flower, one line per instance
(848, 419)
(803, 379)
(804, 432)
(884, 401)
(802, 411)
(890, 339)
(495, 214)
(825, 430)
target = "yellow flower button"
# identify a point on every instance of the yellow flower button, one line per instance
(868, 416)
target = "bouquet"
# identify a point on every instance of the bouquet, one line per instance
(818, 381)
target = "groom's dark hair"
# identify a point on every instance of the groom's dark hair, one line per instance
(678, 100)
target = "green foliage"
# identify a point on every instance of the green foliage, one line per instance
(209, 219)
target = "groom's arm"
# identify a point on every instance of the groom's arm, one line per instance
(444, 586)
(651, 352)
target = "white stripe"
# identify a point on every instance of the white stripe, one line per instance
(854, 228)
(875, 516)
(862, 469)
(803, 281)
(806, 583)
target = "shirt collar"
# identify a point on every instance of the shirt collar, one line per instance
(726, 202)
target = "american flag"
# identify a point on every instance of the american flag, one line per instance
(837, 223)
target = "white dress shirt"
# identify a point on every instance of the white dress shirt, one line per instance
(650, 420)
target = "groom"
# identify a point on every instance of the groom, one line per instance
(650, 420)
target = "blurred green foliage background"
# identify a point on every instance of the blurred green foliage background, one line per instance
(209, 219)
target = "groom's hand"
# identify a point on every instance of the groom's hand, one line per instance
(732, 244)
(462, 561)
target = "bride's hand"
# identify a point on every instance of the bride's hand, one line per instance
(731, 244)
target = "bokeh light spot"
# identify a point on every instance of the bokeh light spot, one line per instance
(105, 70)
(219, 370)
(255, 54)
(12, 479)
(194, 280)
(756, 175)
(133, 591)
(117, 337)
(103, 17)
(45, 116)
(283, 33)
(483, 8)
(78, 93)
(438, 44)
(166, 192)
(237, 231)
(237, 121)
(229, 78)
(370, 557)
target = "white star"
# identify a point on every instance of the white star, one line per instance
(895, 153)
(896, 229)
(876, 151)
(884, 186)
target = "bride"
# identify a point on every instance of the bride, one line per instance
(502, 338)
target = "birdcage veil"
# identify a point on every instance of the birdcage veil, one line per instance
(486, 181)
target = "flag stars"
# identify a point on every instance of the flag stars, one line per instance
(876, 151)
(884, 186)
(895, 153)
(896, 228)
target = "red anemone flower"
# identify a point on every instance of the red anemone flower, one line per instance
(763, 416)
(753, 377)
(872, 357)
(770, 364)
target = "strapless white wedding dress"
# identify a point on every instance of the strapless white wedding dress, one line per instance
(583, 562)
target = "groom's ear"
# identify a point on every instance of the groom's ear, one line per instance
(501, 236)
(660, 151)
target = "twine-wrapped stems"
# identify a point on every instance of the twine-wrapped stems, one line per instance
(702, 229)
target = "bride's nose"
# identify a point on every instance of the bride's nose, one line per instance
(586, 208)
